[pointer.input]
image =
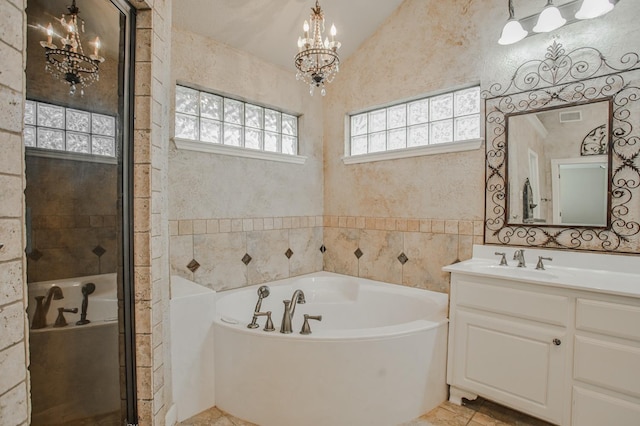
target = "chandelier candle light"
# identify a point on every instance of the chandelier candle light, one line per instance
(69, 62)
(317, 61)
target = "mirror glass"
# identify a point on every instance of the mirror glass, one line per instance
(558, 165)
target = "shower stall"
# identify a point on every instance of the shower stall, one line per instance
(77, 136)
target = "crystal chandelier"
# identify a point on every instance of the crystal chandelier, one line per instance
(317, 61)
(69, 62)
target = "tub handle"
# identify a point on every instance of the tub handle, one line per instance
(306, 329)
(268, 326)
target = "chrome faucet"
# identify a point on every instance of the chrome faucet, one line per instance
(519, 256)
(40, 316)
(289, 310)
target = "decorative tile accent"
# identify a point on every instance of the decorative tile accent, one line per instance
(358, 253)
(193, 265)
(99, 250)
(323, 249)
(35, 255)
(403, 258)
(288, 253)
(246, 259)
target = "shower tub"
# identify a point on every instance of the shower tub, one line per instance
(75, 368)
(377, 357)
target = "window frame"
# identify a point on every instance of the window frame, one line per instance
(66, 154)
(418, 150)
(241, 150)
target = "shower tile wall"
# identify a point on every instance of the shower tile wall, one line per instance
(14, 383)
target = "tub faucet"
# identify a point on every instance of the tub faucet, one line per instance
(289, 310)
(519, 256)
(40, 316)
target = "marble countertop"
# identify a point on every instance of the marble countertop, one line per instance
(601, 273)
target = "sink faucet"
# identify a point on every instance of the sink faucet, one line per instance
(519, 256)
(40, 316)
(289, 310)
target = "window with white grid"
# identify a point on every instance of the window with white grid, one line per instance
(444, 118)
(58, 129)
(210, 118)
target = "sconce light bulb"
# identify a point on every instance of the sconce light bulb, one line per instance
(305, 26)
(333, 30)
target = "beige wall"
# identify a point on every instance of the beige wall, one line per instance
(14, 379)
(221, 207)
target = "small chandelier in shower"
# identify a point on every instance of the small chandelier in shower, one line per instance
(69, 63)
(317, 61)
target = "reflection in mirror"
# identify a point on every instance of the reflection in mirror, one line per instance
(558, 165)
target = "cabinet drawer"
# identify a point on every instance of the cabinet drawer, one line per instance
(548, 308)
(608, 364)
(596, 409)
(608, 318)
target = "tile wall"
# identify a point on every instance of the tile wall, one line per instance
(403, 251)
(212, 251)
(230, 253)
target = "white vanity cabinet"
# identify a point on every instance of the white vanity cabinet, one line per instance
(606, 368)
(508, 343)
(557, 344)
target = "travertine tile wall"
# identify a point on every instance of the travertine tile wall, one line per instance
(14, 376)
(219, 246)
(427, 245)
(151, 261)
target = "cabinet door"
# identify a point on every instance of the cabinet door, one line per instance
(518, 363)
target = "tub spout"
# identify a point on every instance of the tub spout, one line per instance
(40, 316)
(289, 310)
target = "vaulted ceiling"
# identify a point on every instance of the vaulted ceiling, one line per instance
(269, 29)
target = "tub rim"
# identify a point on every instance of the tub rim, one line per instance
(359, 334)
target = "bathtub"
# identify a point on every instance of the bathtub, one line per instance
(378, 357)
(75, 369)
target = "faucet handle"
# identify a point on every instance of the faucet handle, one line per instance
(540, 265)
(268, 326)
(306, 329)
(60, 320)
(503, 259)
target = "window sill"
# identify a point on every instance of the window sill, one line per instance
(441, 148)
(68, 155)
(215, 148)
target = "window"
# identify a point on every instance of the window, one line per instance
(213, 119)
(448, 117)
(56, 128)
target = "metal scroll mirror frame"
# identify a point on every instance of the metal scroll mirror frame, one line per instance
(558, 80)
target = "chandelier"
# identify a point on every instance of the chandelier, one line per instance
(69, 62)
(317, 61)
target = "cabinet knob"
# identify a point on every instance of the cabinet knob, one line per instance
(557, 342)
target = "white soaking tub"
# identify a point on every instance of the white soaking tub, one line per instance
(378, 357)
(75, 368)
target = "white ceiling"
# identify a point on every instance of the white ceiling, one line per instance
(269, 29)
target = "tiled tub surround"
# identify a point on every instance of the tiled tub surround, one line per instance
(211, 251)
(372, 247)
(229, 253)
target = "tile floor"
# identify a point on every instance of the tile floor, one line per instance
(472, 413)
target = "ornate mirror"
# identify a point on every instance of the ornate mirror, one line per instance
(562, 153)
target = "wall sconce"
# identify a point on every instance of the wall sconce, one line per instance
(552, 18)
